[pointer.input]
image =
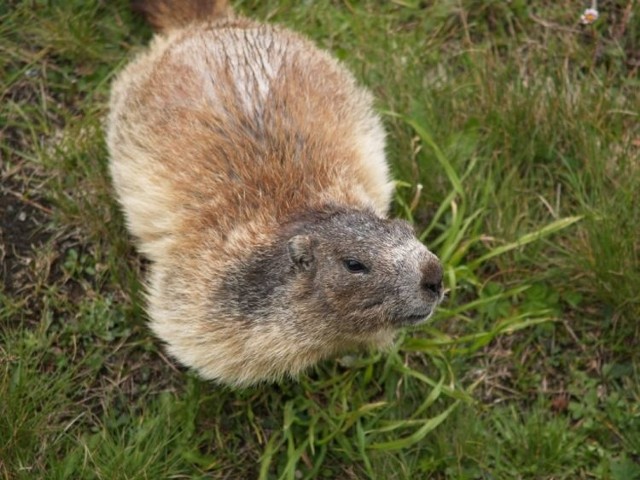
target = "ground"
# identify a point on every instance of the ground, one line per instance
(514, 136)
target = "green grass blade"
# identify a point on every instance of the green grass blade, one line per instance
(545, 231)
(419, 434)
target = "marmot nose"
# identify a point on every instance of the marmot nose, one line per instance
(432, 275)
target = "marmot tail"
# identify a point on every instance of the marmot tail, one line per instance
(166, 15)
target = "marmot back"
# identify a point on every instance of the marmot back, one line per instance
(251, 170)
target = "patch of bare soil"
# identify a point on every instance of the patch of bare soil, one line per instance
(23, 231)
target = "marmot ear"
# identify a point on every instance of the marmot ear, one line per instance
(300, 249)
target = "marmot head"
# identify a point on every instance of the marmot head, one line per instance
(343, 273)
(363, 272)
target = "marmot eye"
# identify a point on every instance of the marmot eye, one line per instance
(355, 266)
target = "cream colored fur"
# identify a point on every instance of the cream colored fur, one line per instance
(200, 191)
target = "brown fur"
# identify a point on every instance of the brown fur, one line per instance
(251, 167)
(165, 15)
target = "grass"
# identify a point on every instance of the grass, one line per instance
(515, 139)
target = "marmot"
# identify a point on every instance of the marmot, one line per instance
(251, 170)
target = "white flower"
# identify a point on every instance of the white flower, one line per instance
(589, 16)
